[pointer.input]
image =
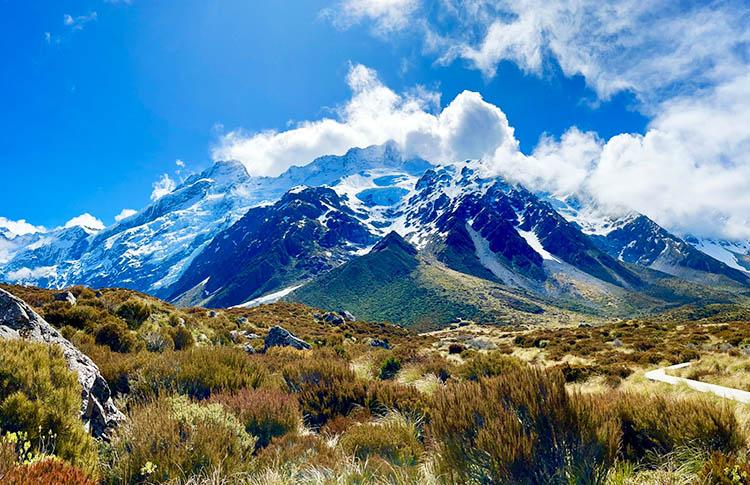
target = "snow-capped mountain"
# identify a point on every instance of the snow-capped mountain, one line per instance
(150, 250)
(223, 237)
(735, 254)
(306, 233)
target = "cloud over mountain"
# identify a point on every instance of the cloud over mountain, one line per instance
(689, 171)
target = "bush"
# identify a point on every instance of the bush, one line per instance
(173, 438)
(40, 396)
(308, 450)
(521, 427)
(182, 338)
(490, 364)
(456, 348)
(395, 439)
(134, 311)
(116, 336)
(265, 413)
(158, 341)
(48, 472)
(660, 424)
(389, 368)
(197, 373)
(325, 388)
(723, 469)
(80, 317)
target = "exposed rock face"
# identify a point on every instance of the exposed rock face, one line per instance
(378, 343)
(281, 337)
(66, 296)
(19, 321)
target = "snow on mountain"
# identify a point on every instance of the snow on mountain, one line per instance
(735, 254)
(149, 251)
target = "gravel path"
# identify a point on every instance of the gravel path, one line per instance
(660, 375)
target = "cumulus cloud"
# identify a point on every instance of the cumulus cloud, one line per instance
(19, 227)
(689, 171)
(85, 220)
(468, 127)
(653, 49)
(388, 15)
(162, 187)
(124, 214)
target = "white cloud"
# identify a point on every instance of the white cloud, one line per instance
(689, 171)
(19, 227)
(179, 163)
(124, 214)
(162, 187)
(85, 220)
(653, 49)
(388, 15)
(31, 275)
(79, 22)
(468, 127)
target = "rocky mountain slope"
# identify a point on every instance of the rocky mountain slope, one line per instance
(224, 238)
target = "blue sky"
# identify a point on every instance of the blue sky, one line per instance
(94, 115)
(638, 106)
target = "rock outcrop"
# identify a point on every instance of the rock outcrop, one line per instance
(281, 337)
(19, 321)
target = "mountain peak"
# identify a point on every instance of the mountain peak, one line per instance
(393, 240)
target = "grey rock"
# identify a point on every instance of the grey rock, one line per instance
(348, 316)
(333, 318)
(241, 320)
(281, 337)
(248, 348)
(383, 344)
(19, 321)
(66, 296)
(617, 343)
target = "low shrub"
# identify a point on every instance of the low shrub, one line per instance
(182, 338)
(456, 348)
(490, 364)
(389, 368)
(49, 472)
(173, 438)
(197, 373)
(134, 311)
(724, 469)
(265, 413)
(80, 317)
(325, 388)
(116, 336)
(395, 439)
(290, 451)
(40, 398)
(521, 427)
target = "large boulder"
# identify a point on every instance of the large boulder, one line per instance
(67, 297)
(281, 337)
(19, 321)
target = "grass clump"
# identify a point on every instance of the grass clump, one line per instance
(174, 438)
(490, 364)
(521, 427)
(395, 439)
(657, 424)
(197, 373)
(40, 399)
